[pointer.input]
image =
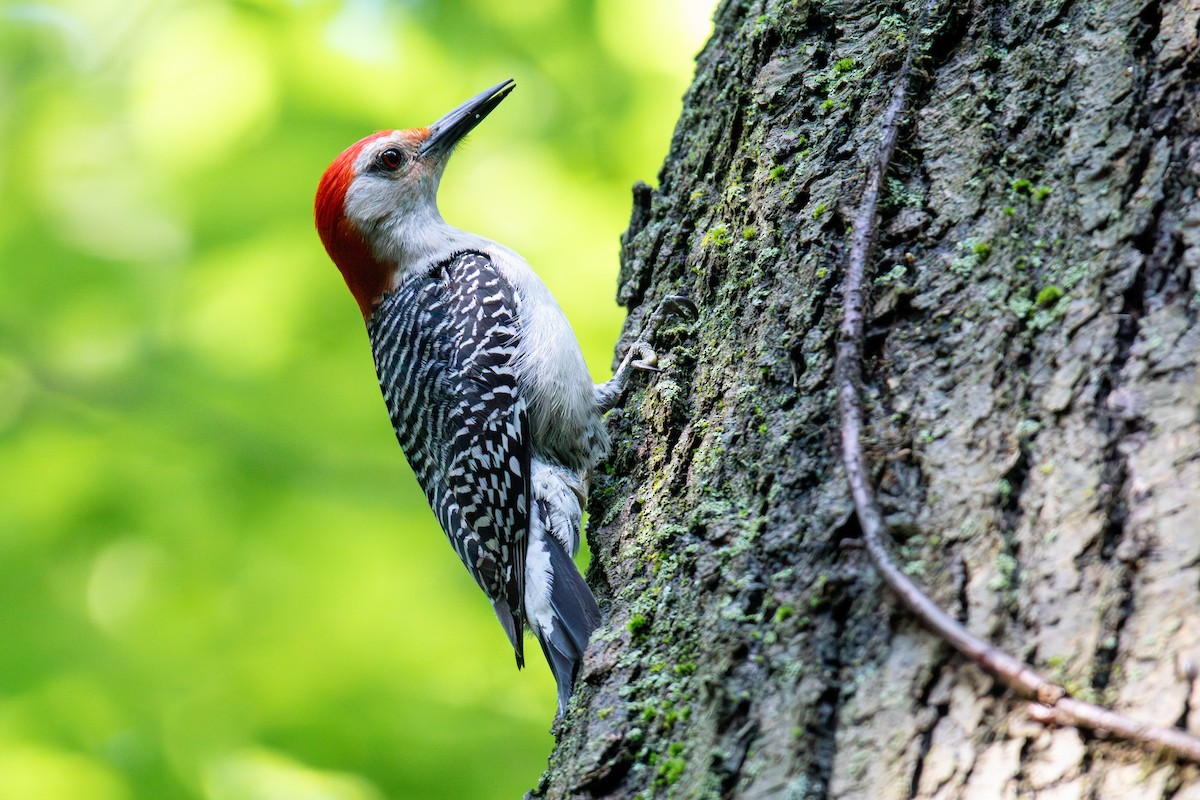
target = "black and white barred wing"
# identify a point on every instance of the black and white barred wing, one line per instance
(490, 464)
(452, 392)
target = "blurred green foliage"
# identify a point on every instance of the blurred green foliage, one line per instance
(217, 577)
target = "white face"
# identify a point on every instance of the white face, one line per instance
(392, 199)
(392, 182)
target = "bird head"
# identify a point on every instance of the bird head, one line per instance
(376, 205)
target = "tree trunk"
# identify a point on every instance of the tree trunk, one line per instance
(1032, 404)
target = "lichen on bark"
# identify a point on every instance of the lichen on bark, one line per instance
(1032, 399)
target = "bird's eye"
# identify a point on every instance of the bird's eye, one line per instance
(391, 158)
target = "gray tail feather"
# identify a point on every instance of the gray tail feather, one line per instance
(575, 617)
(512, 629)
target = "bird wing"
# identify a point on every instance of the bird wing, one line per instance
(445, 342)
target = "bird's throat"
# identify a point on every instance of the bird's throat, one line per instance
(366, 276)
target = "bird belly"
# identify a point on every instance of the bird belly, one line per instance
(554, 376)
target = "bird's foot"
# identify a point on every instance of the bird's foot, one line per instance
(640, 355)
(672, 308)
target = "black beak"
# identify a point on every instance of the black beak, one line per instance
(447, 131)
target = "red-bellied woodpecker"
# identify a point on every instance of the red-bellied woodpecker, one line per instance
(485, 383)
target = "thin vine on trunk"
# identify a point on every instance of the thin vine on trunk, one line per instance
(1027, 392)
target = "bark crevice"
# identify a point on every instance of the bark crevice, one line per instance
(1031, 369)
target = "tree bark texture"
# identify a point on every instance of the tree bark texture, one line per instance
(1033, 406)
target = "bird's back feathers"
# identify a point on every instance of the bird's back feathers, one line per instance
(443, 345)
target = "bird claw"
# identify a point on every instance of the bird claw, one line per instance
(674, 307)
(678, 306)
(647, 359)
(641, 356)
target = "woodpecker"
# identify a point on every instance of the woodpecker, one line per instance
(484, 380)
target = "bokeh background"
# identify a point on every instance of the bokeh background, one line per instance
(218, 578)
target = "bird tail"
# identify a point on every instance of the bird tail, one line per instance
(560, 606)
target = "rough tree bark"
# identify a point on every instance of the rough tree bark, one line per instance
(1033, 410)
